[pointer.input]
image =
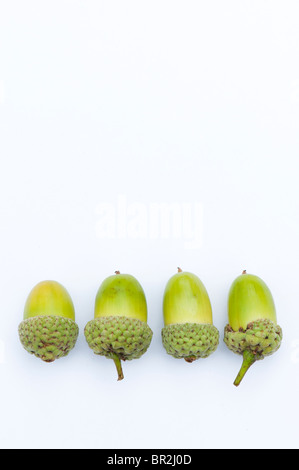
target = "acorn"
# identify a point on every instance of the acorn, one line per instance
(119, 330)
(252, 330)
(188, 331)
(48, 329)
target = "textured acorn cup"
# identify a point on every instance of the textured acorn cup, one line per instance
(48, 330)
(252, 330)
(119, 330)
(189, 332)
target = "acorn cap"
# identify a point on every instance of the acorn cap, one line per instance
(48, 330)
(190, 341)
(252, 329)
(189, 332)
(119, 330)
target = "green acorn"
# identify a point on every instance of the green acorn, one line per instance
(189, 332)
(119, 330)
(252, 329)
(48, 330)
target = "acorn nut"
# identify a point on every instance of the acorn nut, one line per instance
(188, 331)
(252, 330)
(48, 330)
(119, 330)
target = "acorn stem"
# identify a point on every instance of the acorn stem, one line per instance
(248, 359)
(190, 359)
(117, 363)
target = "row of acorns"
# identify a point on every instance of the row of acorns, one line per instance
(120, 331)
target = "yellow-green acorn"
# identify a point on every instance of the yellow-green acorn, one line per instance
(48, 329)
(119, 330)
(189, 332)
(252, 330)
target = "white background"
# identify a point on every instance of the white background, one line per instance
(151, 102)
